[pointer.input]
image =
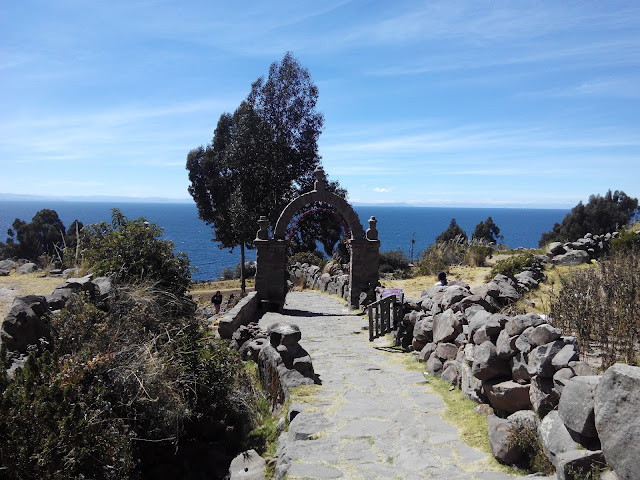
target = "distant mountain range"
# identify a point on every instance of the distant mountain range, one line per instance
(91, 198)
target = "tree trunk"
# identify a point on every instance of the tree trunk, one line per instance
(243, 286)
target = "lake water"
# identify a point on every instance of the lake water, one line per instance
(396, 225)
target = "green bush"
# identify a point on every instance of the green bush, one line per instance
(306, 257)
(440, 256)
(391, 261)
(515, 265)
(123, 389)
(523, 435)
(476, 255)
(626, 242)
(132, 251)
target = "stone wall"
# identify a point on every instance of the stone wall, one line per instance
(313, 277)
(246, 311)
(526, 370)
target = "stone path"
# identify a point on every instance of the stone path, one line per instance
(371, 417)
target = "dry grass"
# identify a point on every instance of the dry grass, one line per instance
(202, 292)
(413, 287)
(18, 285)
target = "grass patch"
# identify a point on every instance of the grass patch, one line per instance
(18, 285)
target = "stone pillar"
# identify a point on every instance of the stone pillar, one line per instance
(271, 261)
(364, 268)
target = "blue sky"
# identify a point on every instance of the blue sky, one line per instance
(447, 103)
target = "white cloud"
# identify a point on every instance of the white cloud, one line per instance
(382, 190)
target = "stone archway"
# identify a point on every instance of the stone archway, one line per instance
(271, 283)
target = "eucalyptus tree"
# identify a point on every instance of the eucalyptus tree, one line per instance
(260, 158)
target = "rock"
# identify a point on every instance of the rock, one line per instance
(571, 258)
(543, 396)
(27, 268)
(452, 295)
(519, 323)
(577, 403)
(560, 379)
(617, 401)
(59, 297)
(507, 395)
(567, 354)
(422, 331)
(499, 429)
(426, 352)
(434, 365)
(247, 466)
(576, 464)
(507, 285)
(6, 266)
(581, 368)
(447, 326)
(523, 343)
(484, 410)
(450, 372)
(540, 359)
(555, 248)
(543, 334)
(491, 324)
(506, 345)
(103, 289)
(284, 334)
(555, 437)
(471, 387)
(446, 351)
(26, 323)
(486, 363)
(519, 370)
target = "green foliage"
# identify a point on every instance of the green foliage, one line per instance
(440, 256)
(394, 261)
(627, 241)
(260, 158)
(44, 236)
(486, 232)
(602, 308)
(515, 265)
(124, 388)
(132, 251)
(599, 216)
(477, 255)
(452, 233)
(306, 257)
(524, 436)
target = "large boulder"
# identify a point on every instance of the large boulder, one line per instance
(555, 437)
(422, 331)
(507, 395)
(487, 364)
(617, 402)
(447, 326)
(6, 266)
(519, 370)
(27, 268)
(571, 258)
(541, 359)
(501, 448)
(26, 323)
(577, 464)
(247, 466)
(519, 323)
(544, 398)
(577, 404)
(506, 345)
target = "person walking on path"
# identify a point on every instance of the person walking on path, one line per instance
(217, 301)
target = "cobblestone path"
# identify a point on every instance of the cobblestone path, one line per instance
(371, 418)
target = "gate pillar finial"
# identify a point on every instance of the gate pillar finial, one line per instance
(321, 180)
(263, 233)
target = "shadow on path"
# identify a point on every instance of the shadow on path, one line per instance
(304, 313)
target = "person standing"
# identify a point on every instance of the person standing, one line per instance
(217, 301)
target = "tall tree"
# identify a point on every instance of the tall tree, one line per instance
(44, 235)
(453, 232)
(486, 231)
(260, 158)
(602, 214)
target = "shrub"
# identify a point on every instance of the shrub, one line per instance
(393, 261)
(476, 255)
(306, 257)
(440, 256)
(486, 231)
(515, 265)
(602, 308)
(524, 436)
(123, 389)
(626, 242)
(132, 251)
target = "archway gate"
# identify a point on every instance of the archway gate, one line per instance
(271, 279)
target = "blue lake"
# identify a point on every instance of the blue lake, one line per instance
(396, 225)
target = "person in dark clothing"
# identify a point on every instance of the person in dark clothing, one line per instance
(217, 301)
(442, 279)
